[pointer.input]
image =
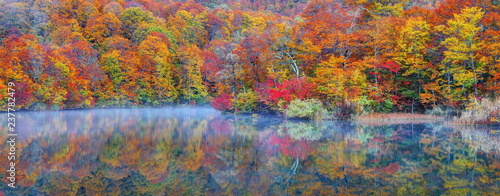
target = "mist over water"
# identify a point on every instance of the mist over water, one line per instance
(198, 151)
(97, 120)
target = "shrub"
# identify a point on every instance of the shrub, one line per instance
(277, 95)
(365, 105)
(309, 108)
(223, 103)
(385, 106)
(345, 110)
(246, 102)
(436, 110)
(368, 105)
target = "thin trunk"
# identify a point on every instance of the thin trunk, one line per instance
(295, 66)
(433, 97)
(412, 104)
(475, 77)
(243, 85)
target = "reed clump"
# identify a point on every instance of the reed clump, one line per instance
(481, 112)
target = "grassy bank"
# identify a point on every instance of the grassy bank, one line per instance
(478, 112)
(396, 118)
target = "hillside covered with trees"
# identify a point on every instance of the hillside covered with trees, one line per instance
(249, 56)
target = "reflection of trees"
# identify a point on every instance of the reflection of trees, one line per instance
(469, 166)
(302, 130)
(153, 153)
(451, 166)
(481, 138)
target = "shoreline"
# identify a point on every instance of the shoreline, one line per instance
(118, 107)
(369, 119)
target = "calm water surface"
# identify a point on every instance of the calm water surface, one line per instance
(198, 151)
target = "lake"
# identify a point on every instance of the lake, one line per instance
(198, 151)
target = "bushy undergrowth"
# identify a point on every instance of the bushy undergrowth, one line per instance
(367, 105)
(437, 111)
(481, 111)
(246, 102)
(345, 110)
(223, 103)
(309, 108)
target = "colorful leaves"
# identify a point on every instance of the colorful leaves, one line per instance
(223, 103)
(132, 18)
(277, 95)
(412, 55)
(390, 169)
(390, 66)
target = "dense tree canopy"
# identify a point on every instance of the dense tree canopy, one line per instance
(377, 55)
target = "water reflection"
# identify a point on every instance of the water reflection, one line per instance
(197, 151)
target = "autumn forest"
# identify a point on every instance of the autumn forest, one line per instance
(251, 56)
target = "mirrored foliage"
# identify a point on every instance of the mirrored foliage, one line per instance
(198, 151)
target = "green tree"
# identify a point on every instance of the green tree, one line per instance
(412, 44)
(460, 66)
(132, 18)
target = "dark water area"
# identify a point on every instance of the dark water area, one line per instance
(198, 151)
